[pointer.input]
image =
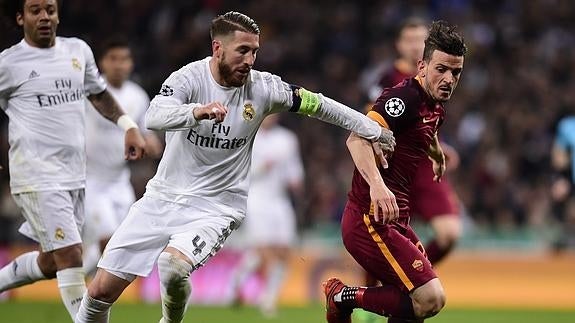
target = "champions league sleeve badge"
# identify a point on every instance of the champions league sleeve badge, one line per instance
(394, 107)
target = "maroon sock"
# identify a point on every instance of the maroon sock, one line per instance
(435, 253)
(388, 301)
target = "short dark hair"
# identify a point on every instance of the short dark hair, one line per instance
(231, 21)
(10, 8)
(443, 37)
(116, 41)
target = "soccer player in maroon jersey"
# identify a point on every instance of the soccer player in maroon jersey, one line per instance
(375, 224)
(433, 202)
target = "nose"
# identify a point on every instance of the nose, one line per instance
(250, 58)
(44, 14)
(449, 77)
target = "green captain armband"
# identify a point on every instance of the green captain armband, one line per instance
(304, 101)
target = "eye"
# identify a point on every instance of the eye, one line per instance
(441, 69)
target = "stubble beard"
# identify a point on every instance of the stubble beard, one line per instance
(227, 74)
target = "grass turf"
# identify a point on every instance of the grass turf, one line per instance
(20, 312)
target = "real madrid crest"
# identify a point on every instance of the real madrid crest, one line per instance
(249, 112)
(76, 64)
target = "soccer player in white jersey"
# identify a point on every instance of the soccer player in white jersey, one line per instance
(210, 110)
(43, 82)
(270, 224)
(109, 193)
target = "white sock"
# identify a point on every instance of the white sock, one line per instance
(174, 287)
(90, 258)
(72, 287)
(21, 271)
(247, 266)
(273, 283)
(93, 311)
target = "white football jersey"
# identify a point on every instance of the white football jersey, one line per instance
(105, 140)
(209, 162)
(42, 91)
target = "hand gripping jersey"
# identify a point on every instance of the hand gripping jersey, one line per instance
(42, 91)
(414, 118)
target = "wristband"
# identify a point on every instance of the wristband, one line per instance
(126, 123)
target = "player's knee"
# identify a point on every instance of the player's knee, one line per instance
(174, 273)
(429, 303)
(448, 235)
(68, 257)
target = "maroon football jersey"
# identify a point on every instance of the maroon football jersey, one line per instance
(414, 118)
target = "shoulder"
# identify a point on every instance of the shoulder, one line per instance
(192, 71)
(400, 99)
(10, 53)
(72, 42)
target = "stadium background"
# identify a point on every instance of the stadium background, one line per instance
(518, 80)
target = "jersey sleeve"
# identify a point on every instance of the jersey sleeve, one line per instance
(94, 83)
(143, 104)
(395, 108)
(172, 107)
(280, 93)
(5, 86)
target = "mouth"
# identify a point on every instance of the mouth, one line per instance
(446, 89)
(44, 30)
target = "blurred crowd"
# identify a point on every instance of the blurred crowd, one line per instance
(517, 81)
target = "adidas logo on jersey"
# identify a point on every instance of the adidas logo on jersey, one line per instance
(33, 74)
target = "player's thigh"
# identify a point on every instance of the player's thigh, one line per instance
(384, 252)
(139, 240)
(53, 218)
(203, 236)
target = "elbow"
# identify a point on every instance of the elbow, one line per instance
(351, 140)
(151, 121)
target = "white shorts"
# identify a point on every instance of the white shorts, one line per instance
(107, 204)
(53, 218)
(197, 231)
(269, 226)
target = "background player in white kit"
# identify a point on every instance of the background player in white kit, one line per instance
(43, 82)
(211, 110)
(109, 193)
(270, 225)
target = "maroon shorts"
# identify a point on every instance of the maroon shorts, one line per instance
(429, 199)
(392, 253)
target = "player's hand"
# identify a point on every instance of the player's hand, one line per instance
(438, 168)
(134, 144)
(386, 140)
(380, 154)
(214, 110)
(382, 197)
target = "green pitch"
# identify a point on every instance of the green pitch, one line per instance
(18, 312)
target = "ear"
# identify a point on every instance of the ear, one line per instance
(20, 19)
(421, 67)
(216, 47)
